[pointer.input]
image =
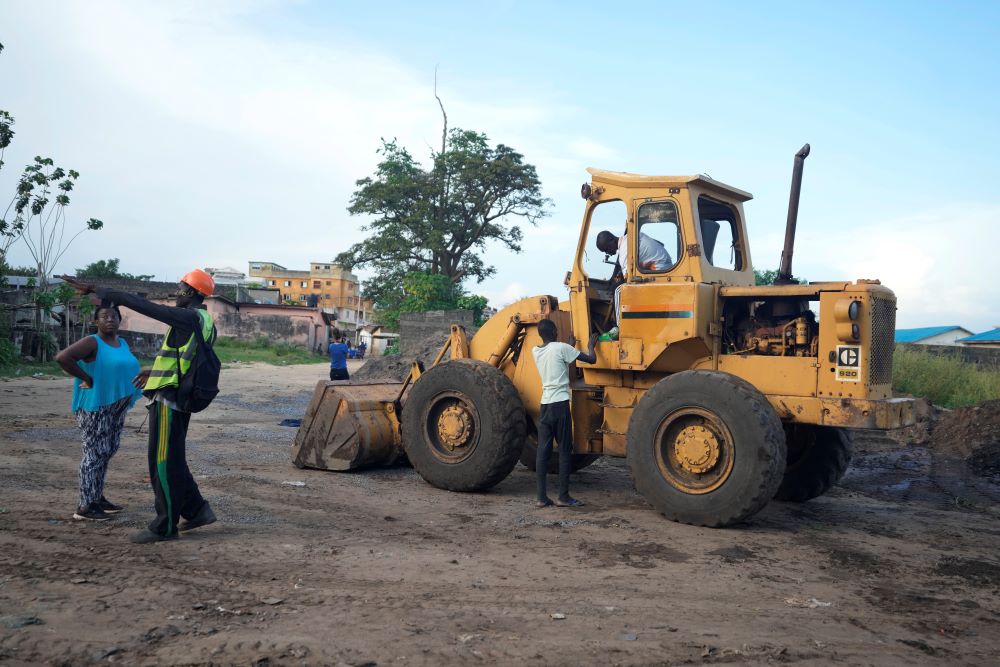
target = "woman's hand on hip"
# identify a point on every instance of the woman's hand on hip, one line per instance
(139, 381)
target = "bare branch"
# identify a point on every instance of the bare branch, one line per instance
(444, 129)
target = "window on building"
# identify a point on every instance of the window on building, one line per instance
(317, 284)
(288, 283)
(328, 283)
(270, 283)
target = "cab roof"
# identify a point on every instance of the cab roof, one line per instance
(627, 180)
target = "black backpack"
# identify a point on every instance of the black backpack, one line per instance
(200, 384)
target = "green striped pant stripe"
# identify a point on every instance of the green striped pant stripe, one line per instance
(163, 447)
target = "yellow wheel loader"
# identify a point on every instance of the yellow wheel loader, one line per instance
(721, 394)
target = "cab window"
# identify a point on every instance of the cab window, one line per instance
(609, 216)
(659, 242)
(719, 226)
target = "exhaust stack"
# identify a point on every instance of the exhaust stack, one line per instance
(785, 269)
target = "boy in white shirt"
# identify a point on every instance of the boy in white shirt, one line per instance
(553, 359)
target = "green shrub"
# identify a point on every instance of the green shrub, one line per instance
(264, 350)
(943, 380)
(8, 352)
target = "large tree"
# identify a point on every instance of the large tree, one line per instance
(108, 268)
(36, 216)
(438, 221)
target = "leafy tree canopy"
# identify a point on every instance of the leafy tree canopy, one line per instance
(768, 276)
(438, 222)
(764, 276)
(108, 268)
(423, 291)
(25, 271)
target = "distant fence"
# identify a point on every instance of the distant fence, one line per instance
(987, 359)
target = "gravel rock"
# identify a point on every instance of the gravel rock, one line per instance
(397, 367)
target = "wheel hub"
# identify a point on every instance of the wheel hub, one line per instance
(454, 426)
(697, 449)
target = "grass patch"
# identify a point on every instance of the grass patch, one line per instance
(20, 369)
(264, 350)
(943, 380)
(229, 350)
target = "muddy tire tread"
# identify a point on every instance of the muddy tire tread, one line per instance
(498, 462)
(822, 472)
(769, 424)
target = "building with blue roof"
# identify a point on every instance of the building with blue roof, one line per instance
(946, 335)
(989, 338)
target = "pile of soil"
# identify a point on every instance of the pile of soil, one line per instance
(972, 434)
(397, 367)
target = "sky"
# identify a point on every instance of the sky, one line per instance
(216, 133)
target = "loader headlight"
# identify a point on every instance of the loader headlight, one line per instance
(845, 314)
(854, 310)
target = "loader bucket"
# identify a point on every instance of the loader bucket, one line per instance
(349, 426)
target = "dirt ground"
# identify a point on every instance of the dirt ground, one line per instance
(898, 565)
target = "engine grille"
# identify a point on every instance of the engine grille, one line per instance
(883, 332)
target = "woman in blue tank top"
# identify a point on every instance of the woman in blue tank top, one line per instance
(104, 390)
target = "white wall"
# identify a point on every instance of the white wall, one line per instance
(946, 338)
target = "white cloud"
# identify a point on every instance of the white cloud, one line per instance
(206, 138)
(589, 150)
(244, 143)
(508, 294)
(937, 261)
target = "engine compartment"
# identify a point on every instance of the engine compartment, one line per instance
(775, 327)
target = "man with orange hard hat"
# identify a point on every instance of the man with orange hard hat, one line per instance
(177, 494)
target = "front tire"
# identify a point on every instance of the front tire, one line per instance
(818, 456)
(706, 448)
(463, 425)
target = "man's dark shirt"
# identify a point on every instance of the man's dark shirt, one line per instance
(182, 321)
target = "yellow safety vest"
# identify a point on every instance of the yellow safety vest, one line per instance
(165, 369)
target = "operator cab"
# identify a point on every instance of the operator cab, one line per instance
(669, 229)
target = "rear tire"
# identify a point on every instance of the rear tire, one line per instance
(818, 457)
(463, 425)
(706, 448)
(530, 452)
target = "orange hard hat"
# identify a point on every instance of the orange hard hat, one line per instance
(200, 280)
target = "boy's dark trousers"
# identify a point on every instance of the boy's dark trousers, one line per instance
(555, 421)
(176, 492)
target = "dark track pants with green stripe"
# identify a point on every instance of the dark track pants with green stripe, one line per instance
(177, 494)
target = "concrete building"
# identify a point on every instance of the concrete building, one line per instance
(332, 288)
(295, 325)
(987, 339)
(946, 335)
(376, 339)
(227, 275)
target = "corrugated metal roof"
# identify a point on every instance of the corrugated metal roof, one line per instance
(993, 336)
(914, 335)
